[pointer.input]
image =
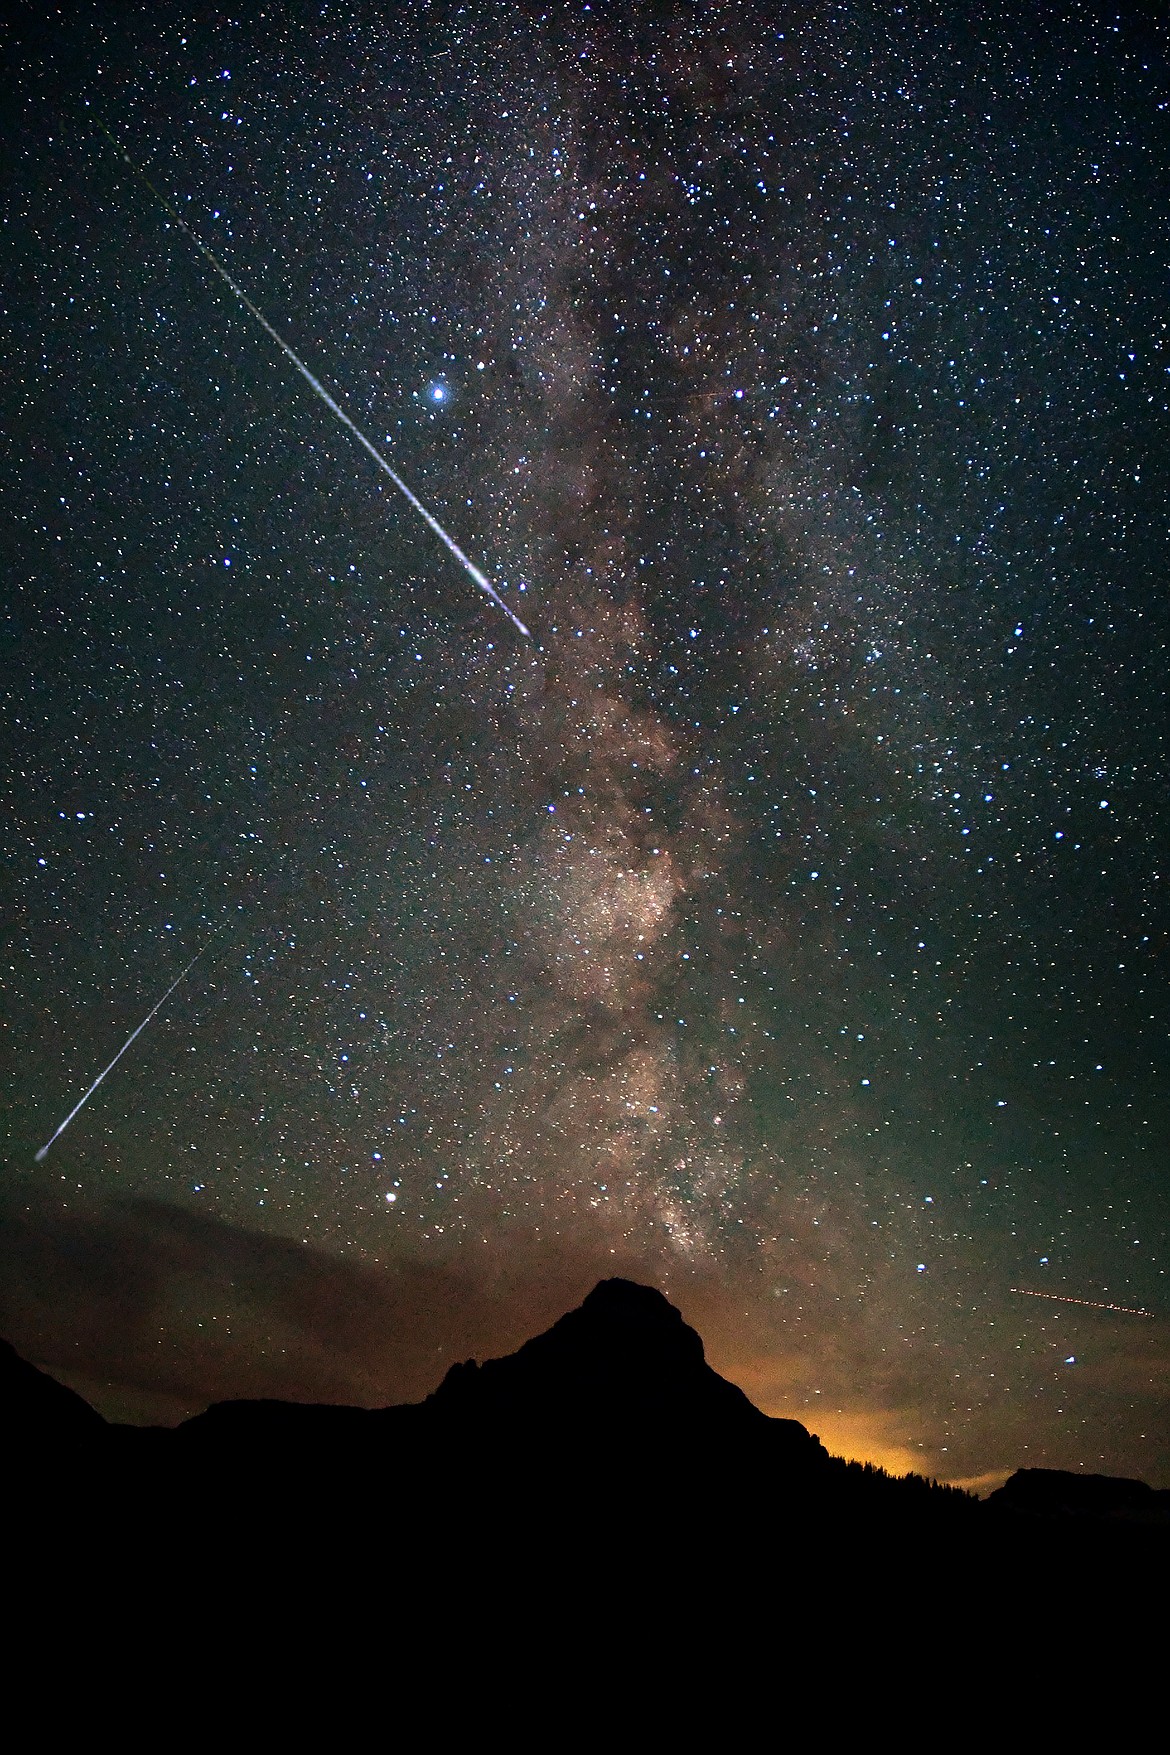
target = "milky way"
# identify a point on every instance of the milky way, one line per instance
(783, 927)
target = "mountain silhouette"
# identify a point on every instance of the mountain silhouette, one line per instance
(604, 1450)
(622, 1377)
(593, 1539)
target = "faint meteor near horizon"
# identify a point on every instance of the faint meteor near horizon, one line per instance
(480, 578)
(133, 1037)
(1088, 1303)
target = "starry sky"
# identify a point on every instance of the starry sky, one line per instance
(785, 924)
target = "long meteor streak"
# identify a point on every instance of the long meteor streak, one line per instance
(315, 384)
(133, 1037)
(1088, 1303)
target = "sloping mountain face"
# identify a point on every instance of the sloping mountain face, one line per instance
(38, 1412)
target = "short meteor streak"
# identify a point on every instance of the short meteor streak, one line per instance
(1088, 1303)
(315, 384)
(133, 1037)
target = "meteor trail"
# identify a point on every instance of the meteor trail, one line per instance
(480, 578)
(1088, 1303)
(133, 1037)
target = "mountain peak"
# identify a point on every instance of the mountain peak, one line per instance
(634, 1305)
(623, 1357)
(629, 1320)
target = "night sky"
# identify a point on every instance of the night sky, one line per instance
(785, 925)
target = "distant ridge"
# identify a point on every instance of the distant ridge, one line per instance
(1059, 1493)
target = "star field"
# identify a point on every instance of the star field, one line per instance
(786, 923)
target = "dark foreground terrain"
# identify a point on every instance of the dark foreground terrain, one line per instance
(602, 1483)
